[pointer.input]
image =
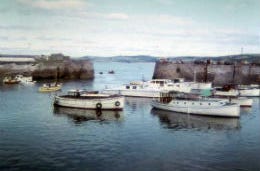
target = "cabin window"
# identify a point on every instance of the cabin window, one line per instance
(209, 104)
(193, 103)
(200, 103)
(184, 102)
(134, 87)
(127, 87)
(177, 102)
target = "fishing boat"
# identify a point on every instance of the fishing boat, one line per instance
(111, 71)
(90, 100)
(10, 80)
(25, 80)
(193, 104)
(50, 87)
(152, 88)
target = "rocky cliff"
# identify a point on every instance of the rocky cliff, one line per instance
(219, 74)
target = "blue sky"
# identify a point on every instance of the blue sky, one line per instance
(130, 27)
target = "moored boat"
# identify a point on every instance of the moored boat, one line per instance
(241, 101)
(249, 92)
(25, 80)
(50, 87)
(10, 80)
(186, 103)
(153, 87)
(90, 100)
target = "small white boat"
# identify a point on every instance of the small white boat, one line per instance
(90, 100)
(249, 92)
(25, 80)
(241, 101)
(186, 103)
(227, 93)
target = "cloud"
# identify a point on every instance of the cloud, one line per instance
(53, 5)
(116, 16)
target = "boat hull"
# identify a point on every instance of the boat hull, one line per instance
(241, 101)
(232, 110)
(49, 89)
(134, 93)
(255, 92)
(110, 103)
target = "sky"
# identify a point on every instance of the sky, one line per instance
(130, 27)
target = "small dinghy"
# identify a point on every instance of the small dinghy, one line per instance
(10, 80)
(90, 100)
(25, 80)
(50, 87)
(192, 104)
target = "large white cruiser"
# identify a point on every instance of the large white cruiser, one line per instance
(90, 100)
(153, 87)
(186, 103)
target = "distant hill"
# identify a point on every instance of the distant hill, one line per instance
(139, 58)
(145, 58)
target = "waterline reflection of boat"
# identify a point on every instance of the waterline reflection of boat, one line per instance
(81, 115)
(175, 120)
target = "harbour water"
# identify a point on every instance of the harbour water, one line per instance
(36, 136)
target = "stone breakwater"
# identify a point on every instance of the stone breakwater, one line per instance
(218, 74)
(64, 69)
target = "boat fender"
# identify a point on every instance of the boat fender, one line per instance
(98, 105)
(117, 103)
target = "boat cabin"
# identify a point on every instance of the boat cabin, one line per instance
(168, 96)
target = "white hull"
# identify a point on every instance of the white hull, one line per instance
(109, 103)
(219, 108)
(134, 93)
(254, 92)
(227, 93)
(241, 101)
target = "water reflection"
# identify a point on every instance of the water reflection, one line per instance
(82, 115)
(174, 120)
(138, 103)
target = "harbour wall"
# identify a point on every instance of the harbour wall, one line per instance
(218, 74)
(50, 69)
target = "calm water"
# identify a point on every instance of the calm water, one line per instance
(36, 136)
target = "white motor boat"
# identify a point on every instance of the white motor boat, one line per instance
(241, 101)
(90, 100)
(228, 93)
(249, 92)
(153, 87)
(25, 80)
(186, 103)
